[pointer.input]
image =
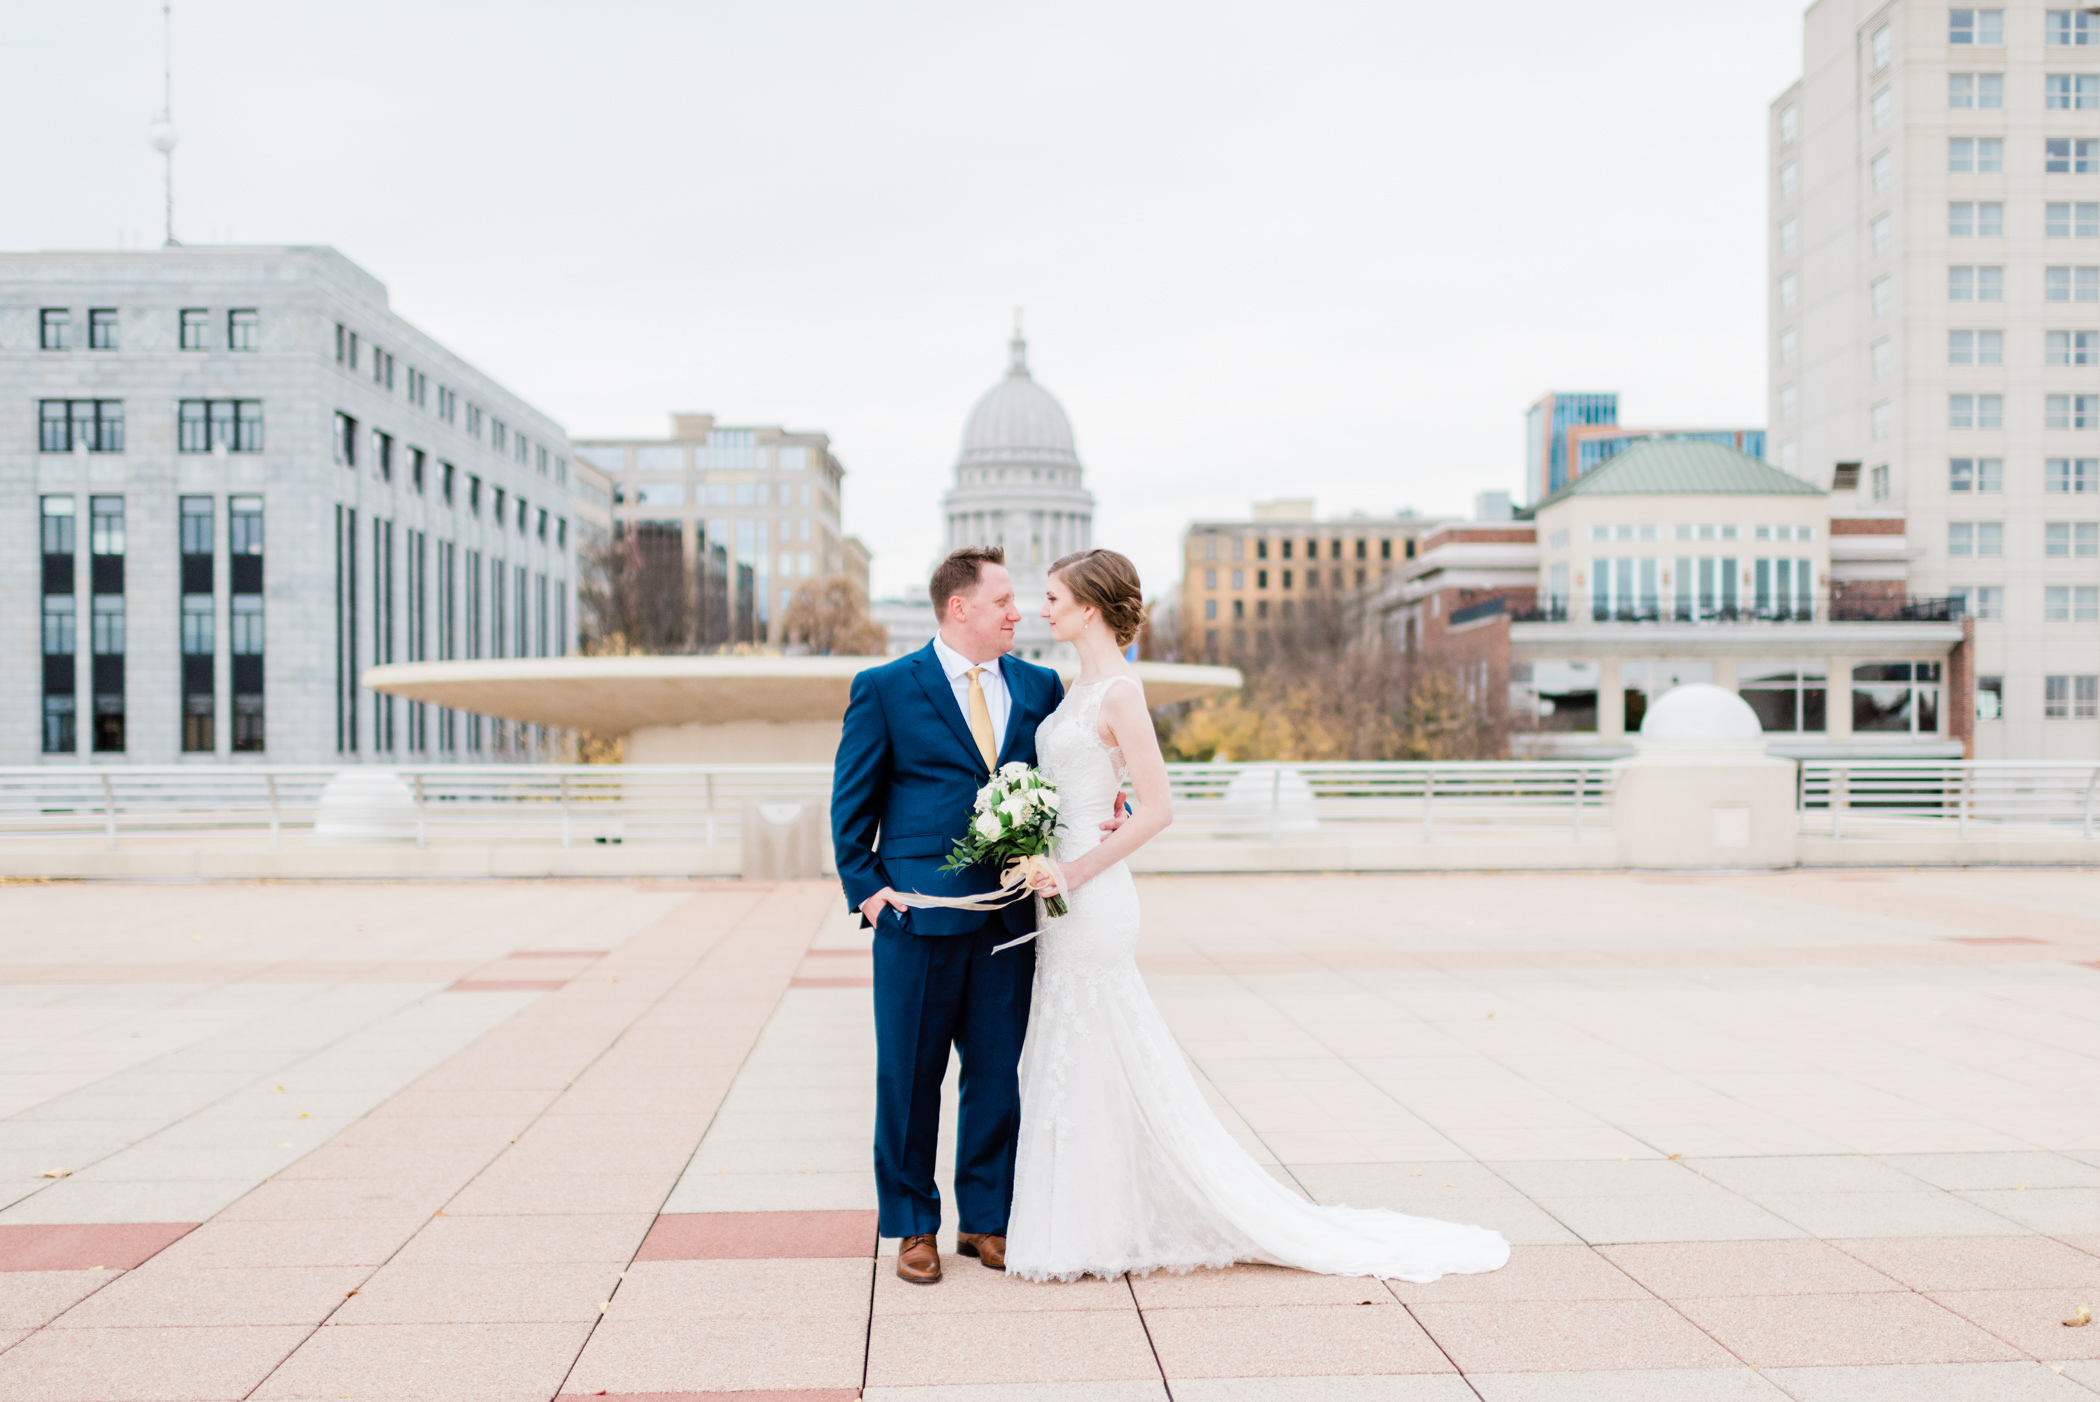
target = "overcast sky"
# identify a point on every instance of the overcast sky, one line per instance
(1264, 249)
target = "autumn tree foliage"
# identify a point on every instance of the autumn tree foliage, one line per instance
(829, 617)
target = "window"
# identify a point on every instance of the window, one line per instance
(1896, 696)
(1976, 26)
(1789, 347)
(1787, 125)
(1787, 237)
(1976, 539)
(2070, 27)
(2071, 91)
(1983, 602)
(1882, 169)
(1788, 401)
(1786, 696)
(1990, 698)
(1880, 359)
(2071, 284)
(345, 440)
(2071, 411)
(243, 330)
(1967, 155)
(193, 321)
(2070, 156)
(1879, 295)
(1975, 347)
(67, 425)
(55, 329)
(61, 621)
(244, 516)
(2064, 603)
(205, 424)
(1975, 411)
(199, 688)
(2064, 540)
(1881, 232)
(1974, 90)
(106, 551)
(2070, 697)
(1970, 283)
(1789, 291)
(1878, 483)
(1882, 48)
(2070, 347)
(2071, 476)
(1786, 180)
(1879, 421)
(1880, 109)
(102, 328)
(1979, 219)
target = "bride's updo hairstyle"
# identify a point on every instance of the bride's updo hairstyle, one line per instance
(1108, 582)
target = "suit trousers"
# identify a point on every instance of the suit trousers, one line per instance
(933, 992)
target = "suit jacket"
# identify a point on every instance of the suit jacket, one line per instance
(908, 771)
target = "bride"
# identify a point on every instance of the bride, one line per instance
(1122, 1166)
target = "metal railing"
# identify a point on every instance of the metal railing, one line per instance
(579, 805)
(1997, 798)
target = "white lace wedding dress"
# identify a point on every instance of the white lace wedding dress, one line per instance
(1122, 1165)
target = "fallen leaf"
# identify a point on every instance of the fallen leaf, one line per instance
(98, 1268)
(280, 1090)
(305, 1115)
(58, 1173)
(1491, 1017)
(286, 1145)
(2079, 1319)
(604, 1305)
(352, 1292)
(1675, 1157)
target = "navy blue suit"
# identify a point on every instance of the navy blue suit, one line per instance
(907, 772)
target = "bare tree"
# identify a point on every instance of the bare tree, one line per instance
(829, 617)
(634, 596)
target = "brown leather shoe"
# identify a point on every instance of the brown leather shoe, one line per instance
(919, 1260)
(988, 1247)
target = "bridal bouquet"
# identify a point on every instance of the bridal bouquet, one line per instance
(1013, 824)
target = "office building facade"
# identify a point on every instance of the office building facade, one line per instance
(1934, 295)
(233, 478)
(1569, 433)
(736, 518)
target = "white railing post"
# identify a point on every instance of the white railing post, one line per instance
(1968, 789)
(710, 810)
(565, 810)
(1582, 783)
(2087, 825)
(1428, 795)
(271, 779)
(422, 834)
(1837, 793)
(109, 809)
(1276, 804)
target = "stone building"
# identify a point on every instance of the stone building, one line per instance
(1018, 484)
(230, 479)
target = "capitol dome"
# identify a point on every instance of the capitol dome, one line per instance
(1018, 421)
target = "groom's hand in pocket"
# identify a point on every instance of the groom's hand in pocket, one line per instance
(871, 909)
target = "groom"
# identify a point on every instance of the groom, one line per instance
(922, 735)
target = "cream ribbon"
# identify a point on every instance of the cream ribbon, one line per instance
(1015, 883)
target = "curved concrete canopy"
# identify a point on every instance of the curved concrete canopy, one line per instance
(618, 695)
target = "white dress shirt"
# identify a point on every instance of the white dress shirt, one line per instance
(992, 680)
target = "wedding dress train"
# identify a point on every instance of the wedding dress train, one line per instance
(1122, 1166)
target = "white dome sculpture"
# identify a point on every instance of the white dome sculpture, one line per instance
(1701, 715)
(1019, 484)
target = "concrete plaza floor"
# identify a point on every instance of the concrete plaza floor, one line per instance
(1812, 1136)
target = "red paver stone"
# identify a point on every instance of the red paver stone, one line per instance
(2028, 1319)
(508, 985)
(557, 954)
(1831, 1331)
(1577, 1336)
(832, 983)
(26, 1246)
(722, 1236)
(1689, 1269)
(1977, 1263)
(822, 1394)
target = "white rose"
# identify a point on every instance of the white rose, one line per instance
(1015, 806)
(988, 825)
(1015, 770)
(1047, 798)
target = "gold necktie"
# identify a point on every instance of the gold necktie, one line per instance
(981, 721)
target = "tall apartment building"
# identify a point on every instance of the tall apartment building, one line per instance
(1246, 584)
(1935, 325)
(741, 517)
(230, 479)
